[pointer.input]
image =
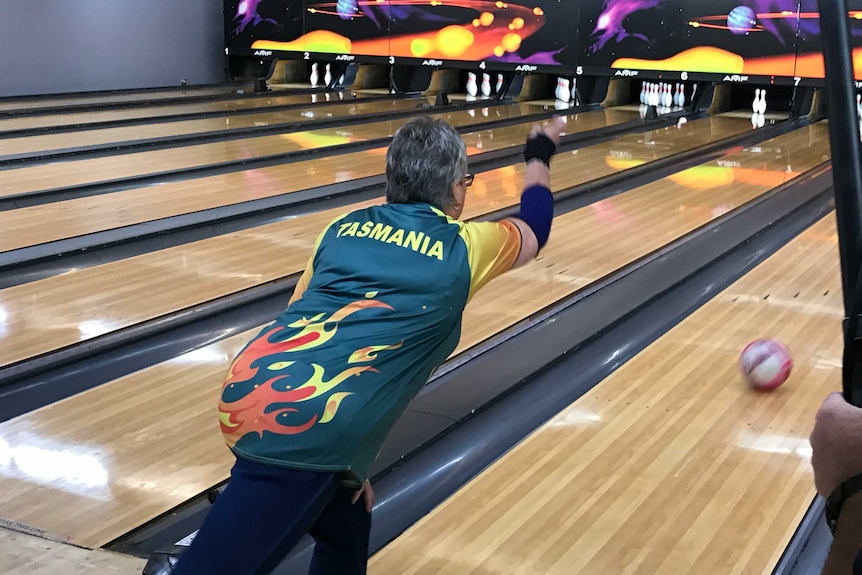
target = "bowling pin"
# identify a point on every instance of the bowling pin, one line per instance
(755, 105)
(499, 83)
(315, 75)
(472, 87)
(575, 91)
(327, 78)
(486, 85)
(655, 101)
(643, 92)
(668, 97)
(762, 107)
(859, 105)
(567, 91)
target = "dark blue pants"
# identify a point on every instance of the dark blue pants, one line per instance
(265, 511)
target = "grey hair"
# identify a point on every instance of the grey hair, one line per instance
(425, 159)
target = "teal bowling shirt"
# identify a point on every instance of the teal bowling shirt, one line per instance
(376, 311)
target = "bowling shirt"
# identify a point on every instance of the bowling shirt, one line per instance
(376, 311)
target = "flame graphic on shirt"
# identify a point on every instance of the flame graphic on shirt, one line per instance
(266, 408)
(313, 334)
(253, 413)
(370, 353)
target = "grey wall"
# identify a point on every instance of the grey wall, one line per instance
(51, 46)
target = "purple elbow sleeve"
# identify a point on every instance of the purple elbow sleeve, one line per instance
(537, 210)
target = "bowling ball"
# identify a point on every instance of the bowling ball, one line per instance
(741, 19)
(765, 364)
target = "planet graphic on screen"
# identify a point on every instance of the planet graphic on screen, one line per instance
(741, 20)
(347, 9)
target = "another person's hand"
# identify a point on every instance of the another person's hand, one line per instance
(368, 493)
(836, 443)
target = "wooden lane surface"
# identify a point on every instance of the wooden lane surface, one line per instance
(86, 171)
(161, 129)
(25, 554)
(237, 104)
(23, 227)
(47, 102)
(153, 284)
(670, 465)
(145, 443)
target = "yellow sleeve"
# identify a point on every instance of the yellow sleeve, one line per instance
(492, 250)
(308, 272)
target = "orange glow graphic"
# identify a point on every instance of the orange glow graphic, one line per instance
(811, 65)
(717, 61)
(712, 177)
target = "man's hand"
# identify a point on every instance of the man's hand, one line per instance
(836, 443)
(369, 496)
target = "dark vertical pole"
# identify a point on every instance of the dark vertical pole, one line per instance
(840, 95)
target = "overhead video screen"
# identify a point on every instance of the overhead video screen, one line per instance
(476, 31)
(251, 21)
(543, 33)
(347, 27)
(809, 61)
(750, 37)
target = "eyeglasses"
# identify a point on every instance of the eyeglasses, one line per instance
(468, 179)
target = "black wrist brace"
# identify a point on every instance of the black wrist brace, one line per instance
(540, 147)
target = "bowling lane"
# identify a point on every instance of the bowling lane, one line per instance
(110, 168)
(105, 136)
(237, 104)
(133, 290)
(148, 440)
(671, 465)
(102, 212)
(98, 99)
